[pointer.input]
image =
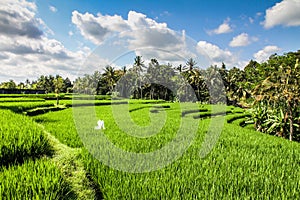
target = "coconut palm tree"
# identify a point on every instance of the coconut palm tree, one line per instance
(110, 77)
(138, 68)
(191, 63)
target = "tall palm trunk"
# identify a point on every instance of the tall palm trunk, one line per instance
(291, 121)
(141, 89)
(57, 99)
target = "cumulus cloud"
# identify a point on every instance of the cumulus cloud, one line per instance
(242, 39)
(218, 55)
(52, 9)
(284, 13)
(97, 28)
(17, 19)
(264, 54)
(146, 32)
(25, 49)
(142, 34)
(223, 28)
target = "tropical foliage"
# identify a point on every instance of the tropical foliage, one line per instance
(277, 97)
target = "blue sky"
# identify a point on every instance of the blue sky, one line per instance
(56, 37)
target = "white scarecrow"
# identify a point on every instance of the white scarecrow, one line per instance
(100, 125)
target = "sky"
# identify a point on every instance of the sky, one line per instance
(74, 37)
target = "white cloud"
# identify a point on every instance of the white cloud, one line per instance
(70, 33)
(241, 40)
(140, 34)
(17, 19)
(97, 28)
(285, 13)
(52, 9)
(25, 49)
(218, 55)
(251, 20)
(223, 28)
(264, 54)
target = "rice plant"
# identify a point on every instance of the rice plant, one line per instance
(21, 139)
(39, 179)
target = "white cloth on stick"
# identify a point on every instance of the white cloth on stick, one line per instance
(100, 125)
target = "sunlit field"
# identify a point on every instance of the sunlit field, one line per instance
(39, 153)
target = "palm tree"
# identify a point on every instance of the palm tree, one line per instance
(109, 76)
(138, 64)
(96, 82)
(124, 70)
(27, 84)
(138, 67)
(191, 63)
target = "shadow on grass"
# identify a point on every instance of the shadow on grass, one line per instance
(19, 156)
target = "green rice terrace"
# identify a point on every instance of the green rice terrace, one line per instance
(43, 157)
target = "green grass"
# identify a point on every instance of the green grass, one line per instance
(20, 139)
(40, 179)
(96, 97)
(34, 165)
(21, 99)
(19, 107)
(232, 118)
(23, 103)
(61, 125)
(64, 129)
(69, 162)
(43, 96)
(244, 164)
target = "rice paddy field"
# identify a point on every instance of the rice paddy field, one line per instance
(47, 154)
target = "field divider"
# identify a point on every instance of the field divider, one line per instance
(232, 118)
(69, 161)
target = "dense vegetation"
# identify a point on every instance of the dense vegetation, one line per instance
(48, 83)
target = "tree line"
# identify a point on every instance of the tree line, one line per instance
(48, 83)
